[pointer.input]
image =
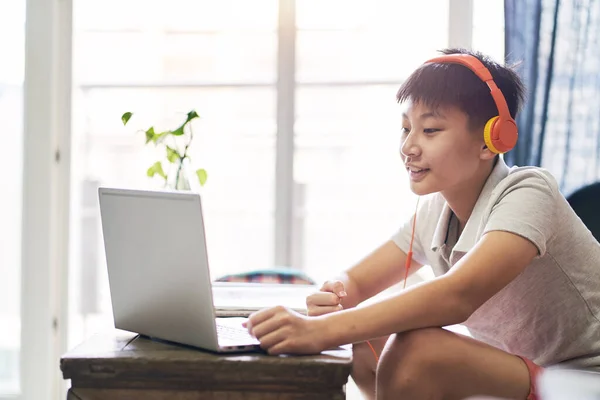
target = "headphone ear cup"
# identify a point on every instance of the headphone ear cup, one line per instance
(507, 136)
(488, 134)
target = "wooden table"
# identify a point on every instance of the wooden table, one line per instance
(123, 365)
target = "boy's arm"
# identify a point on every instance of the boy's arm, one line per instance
(497, 259)
(375, 273)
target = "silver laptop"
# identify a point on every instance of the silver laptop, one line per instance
(158, 272)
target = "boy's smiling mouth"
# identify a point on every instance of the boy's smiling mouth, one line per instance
(416, 173)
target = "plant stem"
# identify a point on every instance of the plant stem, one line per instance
(183, 157)
(189, 141)
(178, 173)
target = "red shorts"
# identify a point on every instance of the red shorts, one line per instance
(534, 372)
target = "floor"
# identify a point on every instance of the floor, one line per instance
(352, 392)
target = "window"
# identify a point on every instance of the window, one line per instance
(488, 28)
(161, 59)
(12, 24)
(353, 191)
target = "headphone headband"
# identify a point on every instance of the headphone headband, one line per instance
(503, 130)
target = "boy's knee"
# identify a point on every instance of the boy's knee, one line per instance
(419, 338)
(364, 363)
(406, 365)
(418, 346)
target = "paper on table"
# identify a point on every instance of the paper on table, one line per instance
(241, 299)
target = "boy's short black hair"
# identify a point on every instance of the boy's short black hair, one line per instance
(445, 84)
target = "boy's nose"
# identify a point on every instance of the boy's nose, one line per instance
(409, 148)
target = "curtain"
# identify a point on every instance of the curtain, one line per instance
(555, 45)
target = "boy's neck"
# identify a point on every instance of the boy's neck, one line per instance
(462, 200)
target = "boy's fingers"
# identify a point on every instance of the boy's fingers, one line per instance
(272, 325)
(322, 299)
(338, 289)
(260, 316)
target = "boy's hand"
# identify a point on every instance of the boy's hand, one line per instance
(328, 300)
(283, 331)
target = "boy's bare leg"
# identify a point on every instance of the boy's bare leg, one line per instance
(364, 365)
(434, 363)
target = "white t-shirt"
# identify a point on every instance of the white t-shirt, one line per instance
(551, 312)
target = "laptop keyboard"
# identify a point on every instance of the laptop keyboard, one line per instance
(234, 333)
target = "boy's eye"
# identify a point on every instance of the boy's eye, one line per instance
(405, 131)
(430, 130)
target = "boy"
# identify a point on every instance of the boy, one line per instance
(513, 262)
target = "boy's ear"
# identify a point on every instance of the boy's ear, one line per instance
(486, 153)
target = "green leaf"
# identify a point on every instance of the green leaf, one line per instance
(179, 131)
(159, 137)
(150, 135)
(191, 115)
(172, 155)
(202, 176)
(156, 168)
(125, 117)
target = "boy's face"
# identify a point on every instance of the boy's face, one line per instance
(439, 150)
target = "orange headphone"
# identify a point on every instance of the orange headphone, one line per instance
(500, 132)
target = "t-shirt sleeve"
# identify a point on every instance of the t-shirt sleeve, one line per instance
(527, 208)
(402, 240)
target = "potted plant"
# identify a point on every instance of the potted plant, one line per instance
(174, 168)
